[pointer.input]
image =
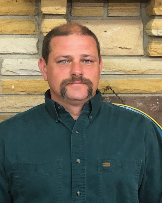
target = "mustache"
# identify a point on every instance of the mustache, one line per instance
(73, 79)
(65, 82)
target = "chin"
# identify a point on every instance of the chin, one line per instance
(77, 97)
(77, 94)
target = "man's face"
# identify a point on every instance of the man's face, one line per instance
(73, 68)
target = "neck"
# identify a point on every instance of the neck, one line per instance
(73, 107)
(74, 111)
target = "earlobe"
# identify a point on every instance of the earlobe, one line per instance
(43, 68)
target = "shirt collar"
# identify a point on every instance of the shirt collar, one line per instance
(95, 105)
(91, 107)
(50, 105)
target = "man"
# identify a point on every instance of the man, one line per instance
(76, 148)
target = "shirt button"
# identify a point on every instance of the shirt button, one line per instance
(78, 193)
(77, 132)
(78, 161)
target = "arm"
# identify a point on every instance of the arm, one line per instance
(4, 189)
(150, 190)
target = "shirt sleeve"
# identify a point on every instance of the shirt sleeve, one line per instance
(4, 189)
(151, 186)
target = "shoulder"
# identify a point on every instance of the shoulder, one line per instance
(117, 109)
(127, 114)
(22, 118)
(121, 110)
(132, 117)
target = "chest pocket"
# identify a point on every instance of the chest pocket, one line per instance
(37, 182)
(118, 181)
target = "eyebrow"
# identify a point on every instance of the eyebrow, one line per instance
(88, 55)
(69, 56)
(63, 56)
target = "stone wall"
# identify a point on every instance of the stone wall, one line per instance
(130, 34)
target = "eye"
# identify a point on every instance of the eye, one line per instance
(63, 61)
(87, 61)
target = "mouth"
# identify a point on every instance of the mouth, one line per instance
(76, 82)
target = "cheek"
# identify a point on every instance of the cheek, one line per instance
(56, 77)
(53, 80)
(92, 72)
(94, 77)
(95, 81)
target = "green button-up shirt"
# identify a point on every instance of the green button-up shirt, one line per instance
(108, 155)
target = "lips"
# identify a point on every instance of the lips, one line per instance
(77, 82)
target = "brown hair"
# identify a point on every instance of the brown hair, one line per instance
(65, 30)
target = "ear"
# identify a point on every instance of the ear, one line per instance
(101, 64)
(43, 68)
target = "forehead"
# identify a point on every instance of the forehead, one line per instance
(73, 45)
(73, 41)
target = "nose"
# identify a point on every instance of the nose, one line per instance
(76, 69)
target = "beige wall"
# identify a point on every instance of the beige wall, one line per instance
(130, 35)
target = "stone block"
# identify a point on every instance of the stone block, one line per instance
(154, 27)
(5, 116)
(118, 84)
(131, 85)
(20, 67)
(10, 45)
(133, 65)
(18, 26)
(154, 7)
(87, 11)
(87, 3)
(19, 7)
(126, 8)
(87, 8)
(23, 86)
(54, 6)
(49, 24)
(155, 48)
(117, 37)
(15, 104)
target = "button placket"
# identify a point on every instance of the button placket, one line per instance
(78, 161)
